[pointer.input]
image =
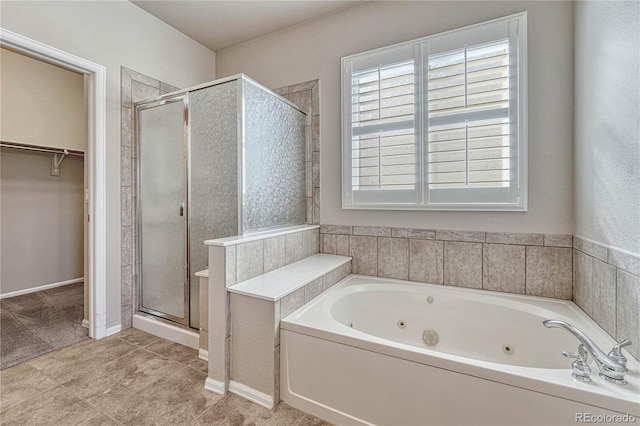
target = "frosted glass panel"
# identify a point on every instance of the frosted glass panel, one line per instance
(162, 215)
(214, 176)
(274, 147)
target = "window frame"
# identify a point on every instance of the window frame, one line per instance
(421, 199)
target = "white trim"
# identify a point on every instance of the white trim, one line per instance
(85, 323)
(166, 330)
(113, 330)
(41, 287)
(251, 394)
(203, 354)
(96, 150)
(215, 386)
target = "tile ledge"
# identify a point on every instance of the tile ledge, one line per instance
(239, 239)
(276, 284)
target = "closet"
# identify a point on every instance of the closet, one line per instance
(43, 210)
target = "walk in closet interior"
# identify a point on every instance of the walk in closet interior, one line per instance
(42, 134)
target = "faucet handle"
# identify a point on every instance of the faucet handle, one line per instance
(580, 367)
(616, 352)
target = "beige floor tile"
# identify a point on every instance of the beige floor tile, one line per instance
(137, 337)
(131, 378)
(232, 410)
(174, 399)
(56, 406)
(179, 353)
(101, 420)
(70, 363)
(309, 420)
(282, 415)
(108, 384)
(19, 383)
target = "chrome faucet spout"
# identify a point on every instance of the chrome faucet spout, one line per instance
(609, 369)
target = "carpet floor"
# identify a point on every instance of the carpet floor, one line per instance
(36, 323)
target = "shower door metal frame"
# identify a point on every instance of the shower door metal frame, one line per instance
(139, 107)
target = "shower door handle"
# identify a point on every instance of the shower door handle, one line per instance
(182, 209)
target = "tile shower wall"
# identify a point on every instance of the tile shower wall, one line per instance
(135, 87)
(307, 97)
(607, 288)
(533, 264)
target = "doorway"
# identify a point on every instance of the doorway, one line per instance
(95, 77)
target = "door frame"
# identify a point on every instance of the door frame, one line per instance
(96, 147)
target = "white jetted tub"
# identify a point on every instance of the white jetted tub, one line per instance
(390, 352)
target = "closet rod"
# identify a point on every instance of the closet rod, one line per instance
(36, 148)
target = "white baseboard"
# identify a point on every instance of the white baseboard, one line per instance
(215, 386)
(41, 287)
(167, 331)
(115, 329)
(251, 394)
(85, 323)
(203, 354)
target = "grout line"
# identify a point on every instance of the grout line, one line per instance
(482, 266)
(377, 256)
(526, 255)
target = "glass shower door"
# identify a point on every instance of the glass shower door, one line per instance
(162, 184)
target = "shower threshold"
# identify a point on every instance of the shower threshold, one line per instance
(166, 330)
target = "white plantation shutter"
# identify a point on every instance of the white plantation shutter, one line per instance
(382, 120)
(440, 129)
(469, 139)
(382, 149)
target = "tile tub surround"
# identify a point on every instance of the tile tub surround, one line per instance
(236, 259)
(533, 264)
(601, 280)
(607, 288)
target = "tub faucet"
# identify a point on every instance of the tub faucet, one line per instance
(610, 369)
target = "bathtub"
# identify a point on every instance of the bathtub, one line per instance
(357, 354)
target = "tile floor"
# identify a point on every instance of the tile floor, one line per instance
(36, 323)
(131, 378)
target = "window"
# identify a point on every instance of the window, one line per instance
(438, 123)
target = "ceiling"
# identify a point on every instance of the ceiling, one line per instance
(221, 24)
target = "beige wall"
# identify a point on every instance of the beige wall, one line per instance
(41, 104)
(607, 127)
(41, 220)
(313, 50)
(113, 34)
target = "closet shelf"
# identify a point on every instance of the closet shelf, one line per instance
(36, 148)
(56, 159)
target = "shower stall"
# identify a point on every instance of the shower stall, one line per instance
(222, 159)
